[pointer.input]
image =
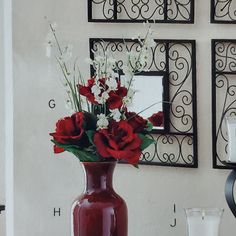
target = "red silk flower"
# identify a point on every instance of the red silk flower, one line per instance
(157, 119)
(136, 121)
(69, 130)
(87, 91)
(118, 141)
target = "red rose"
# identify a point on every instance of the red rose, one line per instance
(69, 130)
(157, 119)
(136, 121)
(118, 141)
(87, 91)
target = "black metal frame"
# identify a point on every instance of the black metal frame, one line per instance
(223, 69)
(176, 59)
(173, 11)
(222, 12)
(229, 191)
(2, 208)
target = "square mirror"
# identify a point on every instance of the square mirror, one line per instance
(150, 99)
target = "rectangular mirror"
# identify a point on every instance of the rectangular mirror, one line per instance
(150, 99)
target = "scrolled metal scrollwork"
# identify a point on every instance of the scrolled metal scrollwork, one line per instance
(225, 57)
(162, 11)
(181, 117)
(224, 11)
(179, 9)
(180, 152)
(122, 47)
(106, 7)
(141, 9)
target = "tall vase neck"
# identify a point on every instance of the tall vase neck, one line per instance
(98, 175)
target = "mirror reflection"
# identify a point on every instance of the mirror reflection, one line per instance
(148, 98)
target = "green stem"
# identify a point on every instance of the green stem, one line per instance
(70, 85)
(58, 46)
(78, 98)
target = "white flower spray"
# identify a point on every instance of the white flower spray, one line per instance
(106, 76)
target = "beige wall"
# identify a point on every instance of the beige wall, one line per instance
(2, 162)
(43, 181)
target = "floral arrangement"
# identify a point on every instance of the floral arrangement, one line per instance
(101, 126)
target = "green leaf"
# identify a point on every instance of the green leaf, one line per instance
(90, 134)
(145, 141)
(136, 166)
(149, 126)
(86, 156)
(90, 121)
(76, 150)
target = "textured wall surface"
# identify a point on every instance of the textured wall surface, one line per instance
(44, 181)
(2, 163)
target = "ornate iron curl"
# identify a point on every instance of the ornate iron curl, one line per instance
(223, 11)
(121, 47)
(178, 9)
(158, 153)
(181, 100)
(161, 11)
(107, 7)
(140, 9)
(225, 57)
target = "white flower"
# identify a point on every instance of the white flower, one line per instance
(127, 102)
(111, 83)
(131, 93)
(105, 96)
(143, 60)
(133, 58)
(150, 42)
(128, 99)
(115, 114)
(127, 70)
(111, 63)
(102, 122)
(102, 99)
(66, 54)
(96, 90)
(99, 59)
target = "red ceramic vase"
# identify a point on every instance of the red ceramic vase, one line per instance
(99, 211)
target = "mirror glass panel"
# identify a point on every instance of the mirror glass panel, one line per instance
(148, 98)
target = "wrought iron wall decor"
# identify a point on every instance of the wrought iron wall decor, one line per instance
(176, 145)
(223, 11)
(223, 96)
(159, 11)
